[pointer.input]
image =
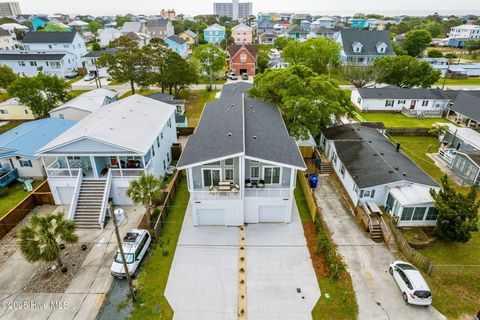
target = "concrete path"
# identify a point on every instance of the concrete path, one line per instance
(378, 296)
(202, 284)
(278, 263)
(86, 292)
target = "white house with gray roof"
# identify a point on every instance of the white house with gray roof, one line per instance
(375, 172)
(361, 47)
(98, 157)
(241, 163)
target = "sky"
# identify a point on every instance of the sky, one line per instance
(194, 7)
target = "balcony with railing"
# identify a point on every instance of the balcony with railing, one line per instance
(447, 154)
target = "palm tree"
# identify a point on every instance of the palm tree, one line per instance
(40, 240)
(145, 190)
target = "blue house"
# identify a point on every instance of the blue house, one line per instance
(19, 146)
(359, 23)
(178, 45)
(39, 22)
(214, 33)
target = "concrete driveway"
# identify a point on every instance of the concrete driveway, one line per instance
(203, 278)
(278, 262)
(378, 296)
(85, 294)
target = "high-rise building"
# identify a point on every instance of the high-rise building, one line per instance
(235, 10)
(9, 9)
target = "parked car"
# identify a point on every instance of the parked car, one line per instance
(135, 244)
(244, 76)
(89, 77)
(71, 75)
(231, 75)
(410, 281)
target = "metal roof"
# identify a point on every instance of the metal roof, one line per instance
(131, 123)
(88, 101)
(25, 139)
(236, 124)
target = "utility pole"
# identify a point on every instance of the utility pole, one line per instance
(120, 248)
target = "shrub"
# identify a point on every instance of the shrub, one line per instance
(334, 261)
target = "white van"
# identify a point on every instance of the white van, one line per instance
(135, 244)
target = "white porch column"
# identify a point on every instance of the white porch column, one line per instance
(119, 166)
(241, 175)
(68, 166)
(143, 165)
(94, 167)
(190, 179)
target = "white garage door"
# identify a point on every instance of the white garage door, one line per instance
(271, 214)
(211, 217)
(65, 194)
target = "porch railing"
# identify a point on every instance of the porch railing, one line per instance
(76, 192)
(9, 177)
(447, 154)
(55, 170)
(106, 193)
(215, 195)
(268, 192)
(412, 113)
(126, 172)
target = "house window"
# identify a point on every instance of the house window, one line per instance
(211, 177)
(229, 162)
(164, 165)
(33, 63)
(431, 214)
(389, 103)
(419, 213)
(271, 175)
(161, 135)
(158, 142)
(153, 151)
(359, 100)
(61, 116)
(21, 63)
(3, 111)
(25, 163)
(402, 101)
(243, 58)
(424, 103)
(366, 193)
(216, 163)
(49, 46)
(342, 171)
(254, 172)
(407, 214)
(228, 174)
(26, 111)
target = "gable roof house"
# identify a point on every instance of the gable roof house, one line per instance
(214, 33)
(19, 146)
(265, 26)
(105, 151)
(322, 32)
(242, 59)
(242, 34)
(464, 108)
(267, 38)
(374, 172)
(190, 36)
(108, 34)
(178, 45)
(361, 47)
(133, 26)
(8, 41)
(181, 119)
(84, 104)
(12, 109)
(241, 163)
(297, 32)
(160, 28)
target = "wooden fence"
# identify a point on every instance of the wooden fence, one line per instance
(307, 191)
(411, 254)
(169, 193)
(185, 131)
(40, 196)
(408, 131)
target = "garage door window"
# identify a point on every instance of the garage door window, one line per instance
(211, 177)
(271, 175)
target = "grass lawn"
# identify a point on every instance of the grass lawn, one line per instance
(447, 287)
(153, 278)
(143, 93)
(205, 80)
(195, 102)
(72, 81)
(115, 83)
(76, 93)
(342, 303)
(14, 194)
(4, 96)
(398, 120)
(459, 82)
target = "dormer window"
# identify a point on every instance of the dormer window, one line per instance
(357, 47)
(381, 47)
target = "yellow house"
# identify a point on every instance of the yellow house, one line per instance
(190, 36)
(12, 109)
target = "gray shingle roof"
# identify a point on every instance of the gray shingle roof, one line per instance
(191, 33)
(49, 37)
(31, 56)
(404, 93)
(235, 124)
(157, 22)
(369, 40)
(371, 159)
(165, 98)
(4, 32)
(178, 40)
(467, 103)
(265, 24)
(297, 29)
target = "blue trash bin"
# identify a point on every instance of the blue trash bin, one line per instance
(313, 181)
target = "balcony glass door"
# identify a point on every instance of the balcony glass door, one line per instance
(271, 175)
(211, 177)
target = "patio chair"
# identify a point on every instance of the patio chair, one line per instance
(261, 183)
(248, 183)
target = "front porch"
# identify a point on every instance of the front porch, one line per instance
(461, 120)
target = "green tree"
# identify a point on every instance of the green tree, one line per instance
(96, 46)
(457, 214)
(359, 76)
(435, 29)
(40, 240)
(93, 26)
(282, 42)
(120, 20)
(405, 71)
(129, 63)
(146, 190)
(7, 76)
(211, 60)
(306, 99)
(178, 26)
(318, 54)
(178, 73)
(435, 54)
(472, 45)
(157, 51)
(263, 58)
(41, 93)
(416, 42)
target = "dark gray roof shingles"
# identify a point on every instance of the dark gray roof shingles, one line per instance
(31, 56)
(49, 37)
(467, 103)
(369, 40)
(404, 93)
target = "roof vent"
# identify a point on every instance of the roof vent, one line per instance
(255, 137)
(397, 168)
(369, 141)
(390, 171)
(404, 174)
(251, 107)
(232, 105)
(375, 154)
(229, 134)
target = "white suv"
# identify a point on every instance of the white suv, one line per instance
(414, 288)
(135, 244)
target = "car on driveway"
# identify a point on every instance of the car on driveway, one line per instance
(231, 75)
(135, 244)
(89, 77)
(414, 288)
(71, 75)
(244, 76)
